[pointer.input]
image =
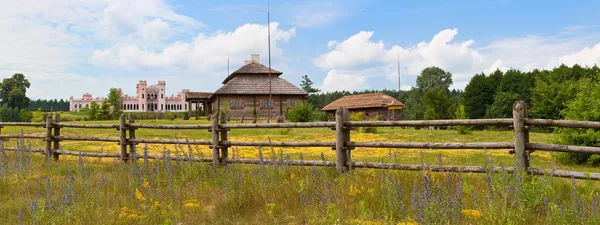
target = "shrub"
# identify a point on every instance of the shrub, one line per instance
(301, 113)
(461, 114)
(585, 106)
(359, 116)
(25, 115)
(38, 116)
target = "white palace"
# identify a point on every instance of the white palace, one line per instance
(149, 98)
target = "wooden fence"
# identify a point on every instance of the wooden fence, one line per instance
(343, 145)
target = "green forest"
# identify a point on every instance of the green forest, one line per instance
(548, 93)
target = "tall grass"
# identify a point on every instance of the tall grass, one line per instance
(91, 191)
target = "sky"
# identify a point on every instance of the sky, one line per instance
(70, 47)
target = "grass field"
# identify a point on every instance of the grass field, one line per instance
(92, 191)
(408, 156)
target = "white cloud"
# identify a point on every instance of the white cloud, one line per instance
(340, 80)
(45, 39)
(360, 55)
(204, 52)
(587, 56)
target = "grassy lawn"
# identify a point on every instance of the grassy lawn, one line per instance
(539, 159)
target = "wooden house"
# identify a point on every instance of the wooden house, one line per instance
(247, 90)
(374, 106)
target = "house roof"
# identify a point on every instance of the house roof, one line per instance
(259, 84)
(198, 95)
(252, 68)
(374, 100)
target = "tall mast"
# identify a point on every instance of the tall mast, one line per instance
(399, 84)
(269, 39)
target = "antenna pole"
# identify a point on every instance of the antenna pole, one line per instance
(399, 84)
(269, 39)
(227, 64)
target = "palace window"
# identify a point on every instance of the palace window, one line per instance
(80, 106)
(161, 96)
(87, 106)
(161, 106)
(75, 106)
(267, 104)
(186, 107)
(235, 104)
(142, 96)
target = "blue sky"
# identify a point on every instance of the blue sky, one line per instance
(69, 48)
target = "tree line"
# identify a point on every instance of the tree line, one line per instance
(547, 92)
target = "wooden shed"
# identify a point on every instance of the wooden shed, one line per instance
(247, 89)
(374, 106)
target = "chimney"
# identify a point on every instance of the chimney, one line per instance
(255, 58)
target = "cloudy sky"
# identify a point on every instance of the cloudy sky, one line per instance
(68, 47)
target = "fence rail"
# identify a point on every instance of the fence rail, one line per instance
(520, 147)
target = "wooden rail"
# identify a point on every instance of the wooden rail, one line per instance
(343, 145)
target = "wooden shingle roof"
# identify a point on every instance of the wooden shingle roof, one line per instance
(252, 68)
(259, 84)
(375, 100)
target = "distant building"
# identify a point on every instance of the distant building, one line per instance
(148, 98)
(374, 106)
(247, 89)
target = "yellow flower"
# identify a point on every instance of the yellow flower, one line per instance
(408, 222)
(146, 184)
(292, 176)
(354, 190)
(139, 195)
(156, 204)
(271, 208)
(471, 213)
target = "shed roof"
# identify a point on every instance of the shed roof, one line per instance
(252, 68)
(374, 100)
(198, 95)
(259, 84)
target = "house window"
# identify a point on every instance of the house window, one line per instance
(87, 106)
(142, 96)
(80, 106)
(75, 106)
(235, 104)
(161, 106)
(186, 107)
(267, 104)
(161, 96)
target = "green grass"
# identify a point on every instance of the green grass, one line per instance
(93, 191)
(89, 191)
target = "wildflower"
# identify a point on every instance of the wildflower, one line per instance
(471, 213)
(139, 195)
(354, 190)
(270, 208)
(191, 205)
(408, 222)
(292, 176)
(156, 204)
(146, 184)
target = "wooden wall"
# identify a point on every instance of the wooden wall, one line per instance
(248, 102)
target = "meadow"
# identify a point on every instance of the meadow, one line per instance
(77, 190)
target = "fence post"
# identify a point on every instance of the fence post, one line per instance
(123, 138)
(223, 137)
(48, 135)
(56, 134)
(215, 138)
(342, 135)
(132, 151)
(519, 110)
